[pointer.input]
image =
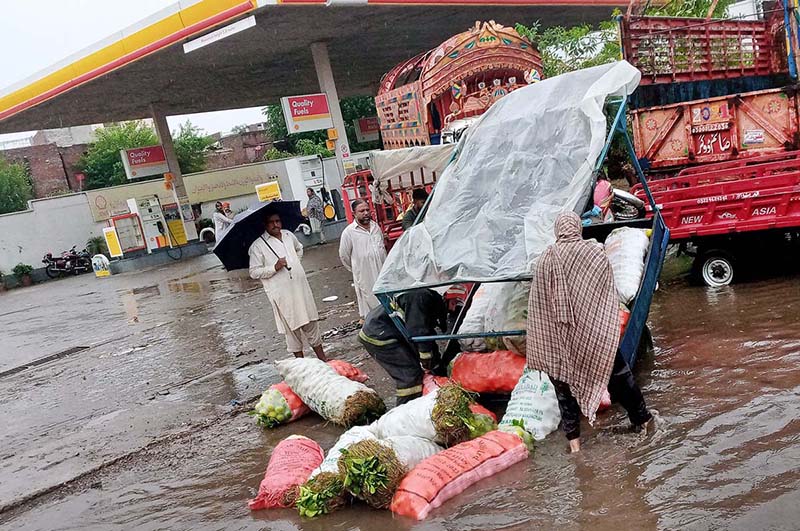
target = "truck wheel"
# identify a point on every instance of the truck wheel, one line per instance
(714, 268)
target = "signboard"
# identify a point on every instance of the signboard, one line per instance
(112, 242)
(713, 143)
(753, 136)
(268, 191)
(177, 232)
(101, 266)
(712, 112)
(218, 35)
(200, 187)
(306, 113)
(144, 161)
(367, 129)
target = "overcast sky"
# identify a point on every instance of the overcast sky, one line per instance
(42, 32)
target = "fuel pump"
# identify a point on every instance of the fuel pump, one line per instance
(154, 224)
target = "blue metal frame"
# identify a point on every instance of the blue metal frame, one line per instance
(654, 261)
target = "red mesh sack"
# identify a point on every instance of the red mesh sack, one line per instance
(349, 371)
(290, 464)
(448, 473)
(493, 372)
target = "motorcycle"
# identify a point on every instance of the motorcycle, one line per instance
(71, 261)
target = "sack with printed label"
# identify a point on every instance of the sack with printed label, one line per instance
(533, 406)
(373, 468)
(626, 249)
(448, 473)
(493, 372)
(332, 396)
(290, 465)
(279, 404)
(324, 491)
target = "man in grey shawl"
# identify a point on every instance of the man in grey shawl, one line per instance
(573, 330)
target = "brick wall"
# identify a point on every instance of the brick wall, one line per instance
(70, 156)
(45, 166)
(243, 148)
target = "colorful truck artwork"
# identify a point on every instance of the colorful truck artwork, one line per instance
(460, 78)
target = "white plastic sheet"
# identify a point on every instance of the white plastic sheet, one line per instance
(396, 165)
(527, 159)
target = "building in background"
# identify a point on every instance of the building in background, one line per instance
(52, 155)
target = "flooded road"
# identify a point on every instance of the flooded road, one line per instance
(139, 431)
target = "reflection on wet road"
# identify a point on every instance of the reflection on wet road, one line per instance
(171, 350)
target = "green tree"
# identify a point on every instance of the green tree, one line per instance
(15, 187)
(190, 147)
(568, 49)
(313, 142)
(691, 8)
(102, 163)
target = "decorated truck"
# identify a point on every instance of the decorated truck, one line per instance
(460, 78)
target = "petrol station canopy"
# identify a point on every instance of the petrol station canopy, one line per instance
(123, 76)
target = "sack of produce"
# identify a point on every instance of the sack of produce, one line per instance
(348, 370)
(626, 249)
(533, 406)
(333, 397)
(279, 404)
(372, 469)
(508, 310)
(324, 491)
(493, 372)
(443, 417)
(431, 383)
(290, 465)
(450, 472)
(474, 320)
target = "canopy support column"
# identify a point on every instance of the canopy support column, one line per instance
(322, 64)
(176, 185)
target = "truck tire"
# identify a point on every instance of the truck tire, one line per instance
(714, 268)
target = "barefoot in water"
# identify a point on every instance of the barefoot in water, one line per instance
(574, 446)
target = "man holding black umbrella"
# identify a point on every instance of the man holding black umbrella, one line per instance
(275, 260)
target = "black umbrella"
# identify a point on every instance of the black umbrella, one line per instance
(247, 226)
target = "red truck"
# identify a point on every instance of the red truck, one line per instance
(732, 212)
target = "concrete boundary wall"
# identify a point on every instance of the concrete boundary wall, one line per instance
(56, 224)
(49, 225)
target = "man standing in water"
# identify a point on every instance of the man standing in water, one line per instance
(362, 252)
(573, 331)
(275, 260)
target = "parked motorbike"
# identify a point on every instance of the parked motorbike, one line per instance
(70, 262)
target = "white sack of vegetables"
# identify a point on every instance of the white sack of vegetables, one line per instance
(373, 468)
(324, 491)
(443, 417)
(508, 310)
(474, 321)
(532, 408)
(626, 249)
(333, 397)
(279, 404)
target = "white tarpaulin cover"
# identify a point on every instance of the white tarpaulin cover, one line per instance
(529, 157)
(387, 165)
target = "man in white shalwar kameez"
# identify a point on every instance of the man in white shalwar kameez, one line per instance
(362, 251)
(275, 260)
